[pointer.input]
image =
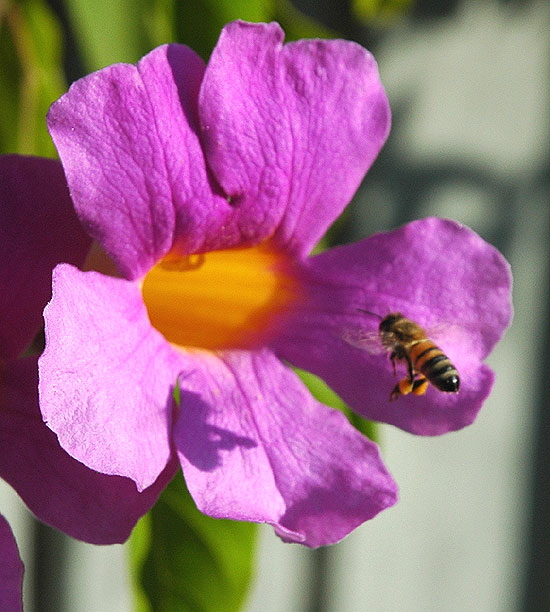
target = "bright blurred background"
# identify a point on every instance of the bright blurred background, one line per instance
(468, 82)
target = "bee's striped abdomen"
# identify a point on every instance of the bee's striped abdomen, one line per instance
(429, 360)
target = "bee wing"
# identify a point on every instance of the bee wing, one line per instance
(443, 333)
(365, 339)
(369, 340)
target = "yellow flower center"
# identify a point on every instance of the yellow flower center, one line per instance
(233, 298)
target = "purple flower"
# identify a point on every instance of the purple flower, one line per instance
(11, 570)
(38, 229)
(208, 186)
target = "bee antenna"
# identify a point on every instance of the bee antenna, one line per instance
(374, 314)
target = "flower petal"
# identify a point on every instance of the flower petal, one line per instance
(126, 138)
(137, 170)
(38, 230)
(106, 376)
(11, 570)
(436, 272)
(61, 491)
(289, 132)
(255, 446)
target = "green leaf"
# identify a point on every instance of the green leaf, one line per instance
(31, 77)
(184, 561)
(298, 25)
(198, 22)
(108, 32)
(324, 394)
(136, 26)
(379, 12)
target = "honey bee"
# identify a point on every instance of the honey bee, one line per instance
(426, 362)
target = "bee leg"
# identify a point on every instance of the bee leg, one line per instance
(403, 387)
(420, 386)
(410, 369)
(393, 357)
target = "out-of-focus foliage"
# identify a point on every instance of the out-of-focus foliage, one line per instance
(380, 11)
(108, 32)
(297, 24)
(184, 561)
(198, 23)
(31, 77)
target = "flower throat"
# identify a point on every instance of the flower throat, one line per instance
(233, 298)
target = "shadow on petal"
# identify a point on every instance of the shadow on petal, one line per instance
(199, 441)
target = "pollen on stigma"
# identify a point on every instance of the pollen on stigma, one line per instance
(232, 298)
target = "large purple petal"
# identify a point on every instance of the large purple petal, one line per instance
(60, 490)
(38, 229)
(436, 272)
(11, 571)
(289, 132)
(255, 446)
(126, 138)
(135, 164)
(106, 376)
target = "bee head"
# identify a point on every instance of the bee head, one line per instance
(388, 322)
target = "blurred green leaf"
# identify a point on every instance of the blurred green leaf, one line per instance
(184, 561)
(160, 22)
(31, 77)
(379, 12)
(324, 394)
(198, 22)
(296, 24)
(110, 31)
